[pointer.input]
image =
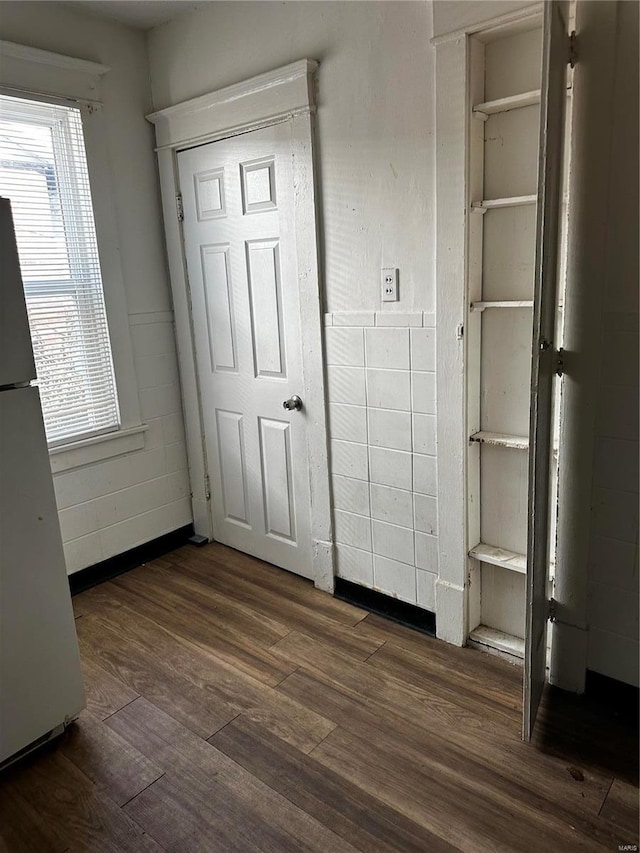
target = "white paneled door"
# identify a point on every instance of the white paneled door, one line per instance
(238, 207)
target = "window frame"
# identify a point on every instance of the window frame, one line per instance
(61, 132)
(36, 74)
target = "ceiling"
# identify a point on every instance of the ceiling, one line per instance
(142, 14)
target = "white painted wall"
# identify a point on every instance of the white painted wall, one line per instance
(375, 123)
(111, 506)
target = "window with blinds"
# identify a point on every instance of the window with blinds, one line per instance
(43, 171)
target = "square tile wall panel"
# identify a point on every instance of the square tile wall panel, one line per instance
(382, 422)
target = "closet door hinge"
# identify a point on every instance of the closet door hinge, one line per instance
(179, 207)
(573, 49)
(558, 356)
(207, 488)
(552, 609)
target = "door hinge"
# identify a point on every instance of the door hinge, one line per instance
(207, 489)
(179, 207)
(552, 608)
(558, 356)
(573, 49)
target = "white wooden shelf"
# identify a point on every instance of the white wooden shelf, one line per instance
(500, 557)
(503, 105)
(501, 439)
(504, 303)
(493, 203)
(492, 640)
(504, 439)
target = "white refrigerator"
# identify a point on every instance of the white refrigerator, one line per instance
(41, 687)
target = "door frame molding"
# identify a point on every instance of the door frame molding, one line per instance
(285, 94)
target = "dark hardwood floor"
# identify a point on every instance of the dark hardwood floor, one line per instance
(231, 706)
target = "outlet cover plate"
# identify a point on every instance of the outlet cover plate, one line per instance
(389, 283)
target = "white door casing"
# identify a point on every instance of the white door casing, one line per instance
(237, 197)
(285, 95)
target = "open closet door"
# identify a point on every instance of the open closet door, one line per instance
(555, 58)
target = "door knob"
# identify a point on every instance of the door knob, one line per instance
(293, 404)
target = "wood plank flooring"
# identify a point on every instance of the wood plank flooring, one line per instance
(233, 707)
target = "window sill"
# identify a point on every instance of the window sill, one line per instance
(95, 449)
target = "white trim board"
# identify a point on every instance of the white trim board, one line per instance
(491, 26)
(87, 451)
(13, 50)
(451, 307)
(275, 96)
(31, 70)
(285, 94)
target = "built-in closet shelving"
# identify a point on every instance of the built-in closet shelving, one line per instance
(504, 106)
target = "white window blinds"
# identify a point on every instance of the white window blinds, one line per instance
(43, 171)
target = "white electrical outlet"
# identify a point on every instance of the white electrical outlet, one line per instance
(389, 280)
